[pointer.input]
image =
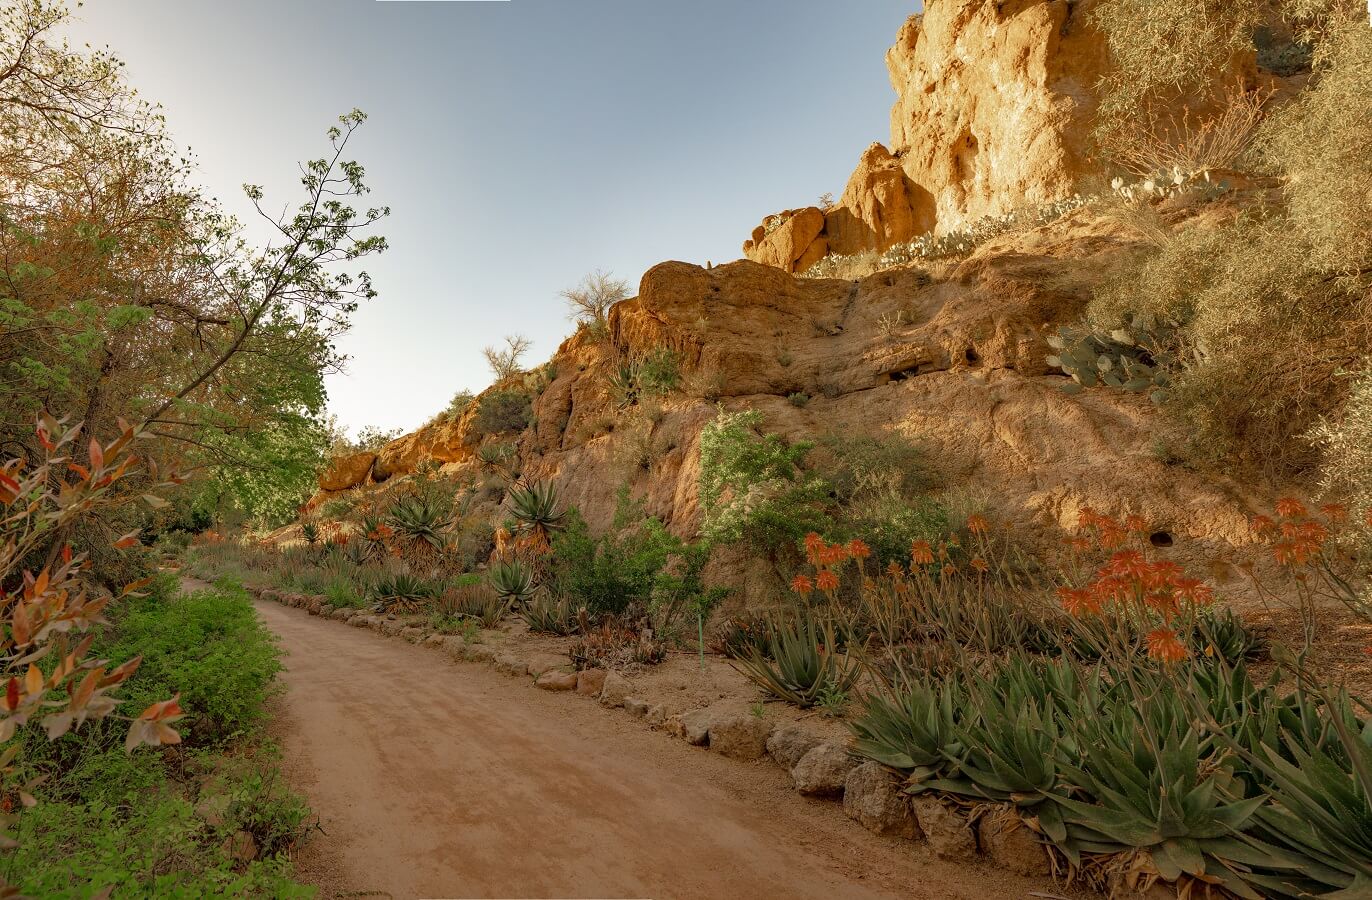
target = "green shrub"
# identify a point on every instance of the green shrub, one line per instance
(610, 573)
(503, 411)
(210, 648)
(752, 486)
(157, 849)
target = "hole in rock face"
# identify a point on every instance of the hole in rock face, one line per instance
(972, 356)
(1160, 539)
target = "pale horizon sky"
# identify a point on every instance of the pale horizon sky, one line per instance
(519, 145)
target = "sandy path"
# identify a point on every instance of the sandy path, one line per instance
(438, 779)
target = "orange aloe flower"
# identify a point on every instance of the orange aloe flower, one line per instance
(1136, 524)
(802, 585)
(977, 524)
(980, 564)
(1078, 601)
(921, 554)
(1194, 591)
(1263, 526)
(826, 580)
(949, 569)
(894, 569)
(1290, 508)
(1163, 645)
(813, 545)
(1335, 512)
(858, 549)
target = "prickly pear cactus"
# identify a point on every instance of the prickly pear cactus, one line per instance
(1131, 358)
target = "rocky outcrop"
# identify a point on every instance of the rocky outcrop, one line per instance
(954, 359)
(347, 472)
(789, 240)
(994, 109)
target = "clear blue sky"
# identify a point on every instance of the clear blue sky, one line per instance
(519, 144)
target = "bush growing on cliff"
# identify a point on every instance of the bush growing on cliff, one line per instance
(504, 362)
(1273, 306)
(752, 486)
(502, 412)
(590, 301)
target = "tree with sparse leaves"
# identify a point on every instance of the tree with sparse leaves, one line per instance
(590, 301)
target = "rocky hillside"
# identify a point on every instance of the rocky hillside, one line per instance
(994, 105)
(991, 113)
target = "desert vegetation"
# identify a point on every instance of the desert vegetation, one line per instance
(752, 483)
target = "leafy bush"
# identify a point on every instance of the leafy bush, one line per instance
(502, 411)
(752, 486)
(1270, 308)
(611, 573)
(653, 374)
(158, 849)
(223, 684)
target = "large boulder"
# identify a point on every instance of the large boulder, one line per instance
(789, 240)
(347, 472)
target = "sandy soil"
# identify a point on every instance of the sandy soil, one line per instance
(436, 779)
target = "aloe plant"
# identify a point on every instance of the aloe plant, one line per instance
(513, 581)
(402, 593)
(549, 615)
(421, 519)
(805, 663)
(1147, 781)
(535, 507)
(913, 726)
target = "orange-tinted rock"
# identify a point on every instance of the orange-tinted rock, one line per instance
(347, 472)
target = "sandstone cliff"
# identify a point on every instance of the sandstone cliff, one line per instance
(993, 112)
(963, 371)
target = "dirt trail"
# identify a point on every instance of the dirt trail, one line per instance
(435, 779)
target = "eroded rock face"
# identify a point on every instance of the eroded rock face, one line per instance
(953, 358)
(995, 104)
(347, 472)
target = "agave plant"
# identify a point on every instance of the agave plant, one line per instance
(478, 602)
(513, 581)
(1147, 781)
(422, 519)
(402, 593)
(1223, 633)
(1316, 835)
(913, 726)
(535, 509)
(1013, 739)
(310, 532)
(495, 457)
(805, 664)
(550, 615)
